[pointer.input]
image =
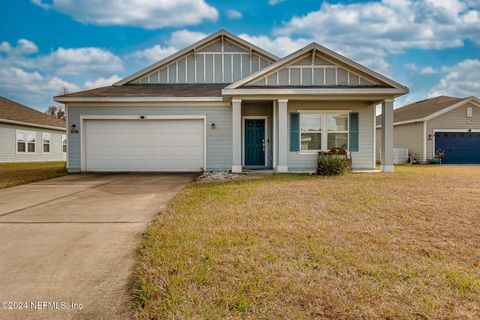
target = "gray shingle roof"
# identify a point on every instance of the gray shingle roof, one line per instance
(13, 111)
(152, 90)
(421, 109)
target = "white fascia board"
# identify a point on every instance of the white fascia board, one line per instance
(320, 91)
(29, 124)
(403, 89)
(192, 47)
(138, 99)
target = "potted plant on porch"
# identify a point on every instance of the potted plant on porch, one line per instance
(437, 159)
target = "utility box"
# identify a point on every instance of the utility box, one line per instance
(400, 155)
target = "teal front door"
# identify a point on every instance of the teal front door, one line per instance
(255, 142)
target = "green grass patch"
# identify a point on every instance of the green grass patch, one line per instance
(13, 174)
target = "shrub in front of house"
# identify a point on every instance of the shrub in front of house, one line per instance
(336, 162)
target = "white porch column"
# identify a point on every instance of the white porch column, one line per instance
(237, 135)
(387, 136)
(282, 136)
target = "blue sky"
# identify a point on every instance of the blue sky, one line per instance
(432, 46)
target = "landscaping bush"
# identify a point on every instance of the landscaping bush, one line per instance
(333, 163)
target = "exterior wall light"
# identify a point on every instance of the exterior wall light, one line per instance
(212, 126)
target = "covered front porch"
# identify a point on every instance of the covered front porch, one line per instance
(285, 135)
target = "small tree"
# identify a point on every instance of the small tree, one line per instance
(58, 110)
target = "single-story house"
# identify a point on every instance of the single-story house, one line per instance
(225, 104)
(27, 135)
(442, 123)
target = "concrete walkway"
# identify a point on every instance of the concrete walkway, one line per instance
(73, 240)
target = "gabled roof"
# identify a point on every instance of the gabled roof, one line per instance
(315, 47)
(427, 109)
(206, 40)
(146, 91)
(13, 112)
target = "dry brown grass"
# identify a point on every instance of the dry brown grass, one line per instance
(362, 246)
(13, 174)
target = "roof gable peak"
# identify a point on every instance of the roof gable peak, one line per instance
(361, 75)
(222, 36)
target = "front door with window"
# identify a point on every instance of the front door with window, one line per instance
(255, 142)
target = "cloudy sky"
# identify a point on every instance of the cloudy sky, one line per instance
(432, 46)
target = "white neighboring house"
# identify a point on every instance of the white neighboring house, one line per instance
(27, 135)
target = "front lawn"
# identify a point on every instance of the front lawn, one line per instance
(12, 174)
(361, 246)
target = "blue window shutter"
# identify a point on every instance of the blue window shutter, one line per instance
(353, 132)
(294, 131)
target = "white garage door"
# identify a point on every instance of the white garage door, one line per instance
(144, 145)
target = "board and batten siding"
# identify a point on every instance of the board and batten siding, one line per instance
(219, 140)
(211, 64)
(311, 70)
(8, 144)
(453, 120)
(408, 135)
(363, 159)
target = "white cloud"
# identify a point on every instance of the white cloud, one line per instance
(234, 14)
(71, 61)
(461, 80)
(153, 54)
(428, 71)
(32, 86)
(101, 82)
(275, 2)
(388, 27)
(34, 80)
(147, 14)
(280, 46)
(183, 38)
(23, 47)
(5, 47)
(178, 40)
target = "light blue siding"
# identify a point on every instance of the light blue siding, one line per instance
(219, 140)
(8, 146)
(363, 159)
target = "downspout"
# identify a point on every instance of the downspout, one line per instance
(425, 141)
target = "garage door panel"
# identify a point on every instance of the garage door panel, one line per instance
(459, 147)
(144, 145)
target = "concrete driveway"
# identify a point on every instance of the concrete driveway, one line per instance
(73, 240)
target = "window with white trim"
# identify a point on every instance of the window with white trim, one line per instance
(337, 127)
(322, 131)
(25, 141)
(311, 131)
(46, 142)
(64, 143)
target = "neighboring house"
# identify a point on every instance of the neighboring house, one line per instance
(28, 135)
(447, 123)
(226, 104)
